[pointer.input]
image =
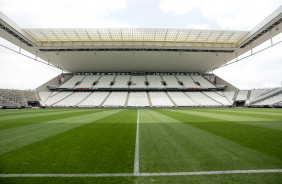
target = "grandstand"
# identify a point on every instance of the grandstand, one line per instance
(139, 67)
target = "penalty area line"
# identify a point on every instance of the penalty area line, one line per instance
(143, 174)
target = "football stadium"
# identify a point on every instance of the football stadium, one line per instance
(140, 105)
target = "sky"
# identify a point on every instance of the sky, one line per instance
(262, 70)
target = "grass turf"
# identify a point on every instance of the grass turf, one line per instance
(171, 140)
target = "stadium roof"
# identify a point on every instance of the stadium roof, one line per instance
(139, 49)
(136, 35)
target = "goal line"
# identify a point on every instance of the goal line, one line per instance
(143, 174)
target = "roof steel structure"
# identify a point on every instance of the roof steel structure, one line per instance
(136, 35)
(139, 49)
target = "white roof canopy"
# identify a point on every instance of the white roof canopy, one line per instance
(139, 49)
(136, 35)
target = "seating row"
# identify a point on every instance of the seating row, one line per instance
(134, 99)
(128, 81)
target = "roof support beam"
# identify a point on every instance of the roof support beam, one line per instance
(100, 37)
(70, 40)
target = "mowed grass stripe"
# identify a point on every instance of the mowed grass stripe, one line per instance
(245, 109)
(14, 138)
(256, 121)
(169, 145)
(13, 123)
(263, 115)
(104, 145)
(270, 115)
(25, 111)
(14, 116)
(262, 139)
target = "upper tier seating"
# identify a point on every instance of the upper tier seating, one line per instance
(160, 99)
(116, 99)
(171, 81)
(187, 81)
(138, 82)
(138, 99)
(155, 81)
(181, 99)
(73, 99)
(202, 99)
(105, 81)
(72, 81)
(203, 81)
(88, 81)
(94, 100)
(56, 97)
(121, 81)
(218, 97)
(242, 95)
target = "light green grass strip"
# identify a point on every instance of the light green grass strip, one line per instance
(247, 112)
(14, 116)
(13, 138)
(267, 123)
(169, 145)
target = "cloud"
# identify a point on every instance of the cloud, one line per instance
(197, 26)
(239, 14)
(19, 72)
(262, 70)
(63, 14)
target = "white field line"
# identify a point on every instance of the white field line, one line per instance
(144, 174)
(136, 160)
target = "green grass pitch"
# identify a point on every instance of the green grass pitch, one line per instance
(79, 144)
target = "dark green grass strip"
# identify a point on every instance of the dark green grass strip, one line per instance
(265, 140)
(12, 123)
(104, 146)
(262, 178)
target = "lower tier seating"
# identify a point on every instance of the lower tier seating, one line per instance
(138, 99)
(202, 99)
(181, 99)
(94, 100)
(116, 99)
(160, 99)
(272, 100)
(73, 99)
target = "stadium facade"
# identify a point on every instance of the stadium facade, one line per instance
(140, 67)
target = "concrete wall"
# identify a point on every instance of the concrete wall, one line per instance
(43, 87)
(220, 81)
